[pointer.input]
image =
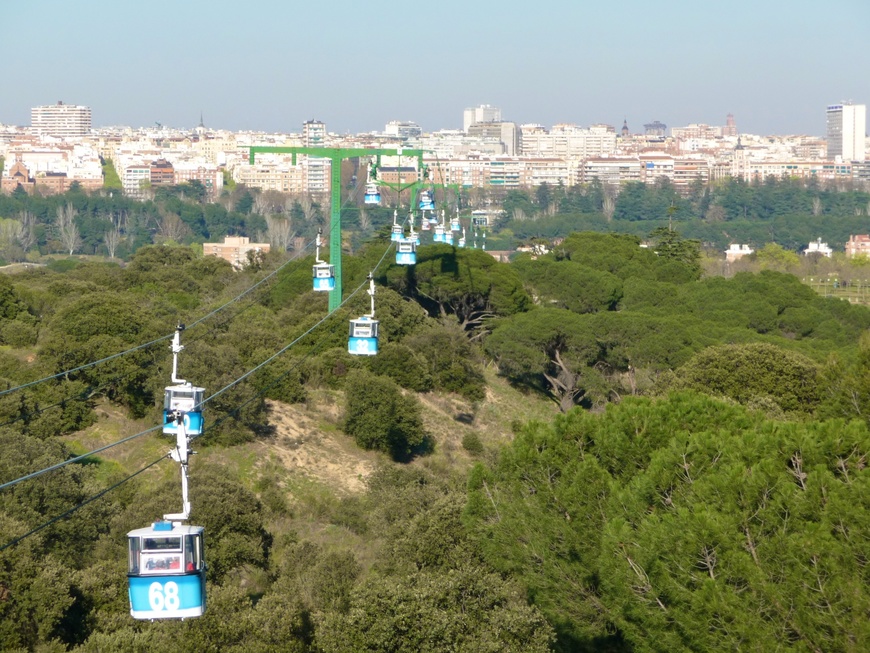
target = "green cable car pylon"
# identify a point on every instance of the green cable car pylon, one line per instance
(336, 155)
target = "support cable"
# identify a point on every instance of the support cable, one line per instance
(80, 505)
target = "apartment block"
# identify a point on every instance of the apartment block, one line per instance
(234, 249)
(135, 178)
(402, 129)
(280, 176)
(566, 141)
(162, 173)
(613, 171)
(858, 245)
(847, 132)
(504, 132)
(210, 176)
(482, 113)
(697, 131)
(317, 170)
(61, 120)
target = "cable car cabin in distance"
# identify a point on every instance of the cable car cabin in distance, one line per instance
(373, 194)
(397, 233)
(455, 225)
(427, 200)
(187, 399)
(406, 252)
(324, 276)
(363, 339)
(166, 571)
(442, 236)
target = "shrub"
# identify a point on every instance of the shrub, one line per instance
(472, 443)
(380, 417)
(19, 332)
(452, 361)
(403, 365)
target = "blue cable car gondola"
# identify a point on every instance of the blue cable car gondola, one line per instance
(166, 561)
(183, 396)
(323, 273)
(324, 276)
(427, 200)
(166, 571)
(406, 251)
(373, 193)
(363, 339)
(455, 225)
(188, 399)
(440, 235)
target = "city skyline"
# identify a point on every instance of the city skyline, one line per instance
(776, 67)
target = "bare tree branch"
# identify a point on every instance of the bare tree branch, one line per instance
(67, 228)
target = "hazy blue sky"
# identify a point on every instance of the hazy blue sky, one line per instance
(271, 64)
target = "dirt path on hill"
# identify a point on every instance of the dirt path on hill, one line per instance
(302, 445)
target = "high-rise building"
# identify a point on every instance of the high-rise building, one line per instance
(847, 128)
(317, 169)
(61, 120)
(730, 128)
(483, 113)
(506, 132)
(313, 133)
(403, 129)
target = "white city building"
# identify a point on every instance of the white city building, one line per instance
(317, 169)
(61, 120)
(483, 113)
(567, 141)
(847, 131)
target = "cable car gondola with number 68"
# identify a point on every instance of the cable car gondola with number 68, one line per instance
(166, 571)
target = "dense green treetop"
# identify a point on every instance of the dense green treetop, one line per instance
(466, 283)
(753, 374)
(685, 524)
(568, 284)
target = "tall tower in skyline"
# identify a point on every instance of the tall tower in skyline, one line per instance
(483, 113)
(316, 169)
(313, 133)
(61, 120)
(730, 128)
(846, 131)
